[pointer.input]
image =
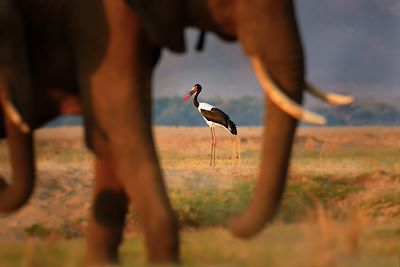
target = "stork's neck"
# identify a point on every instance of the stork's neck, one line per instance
(195, 101)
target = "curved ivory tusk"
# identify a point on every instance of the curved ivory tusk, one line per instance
(14, 116)
(331, 98)
(281, 100)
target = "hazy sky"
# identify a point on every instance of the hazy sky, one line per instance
(351, 46)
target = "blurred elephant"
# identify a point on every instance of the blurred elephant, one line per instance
(103, 53)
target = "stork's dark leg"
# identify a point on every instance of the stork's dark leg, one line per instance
(212, 146)
(239, 150)
(233, 147)
(237, 147)
(215, 145)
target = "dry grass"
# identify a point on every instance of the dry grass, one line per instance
(340, 208)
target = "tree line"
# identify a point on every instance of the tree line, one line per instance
(249, 111)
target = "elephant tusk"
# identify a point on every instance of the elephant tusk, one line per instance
(331, 98)
(281, 100)
(14, 116)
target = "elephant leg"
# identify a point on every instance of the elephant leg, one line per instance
(115, 75)
(107, 217)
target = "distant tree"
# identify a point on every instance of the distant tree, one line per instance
(248, 111)
(365, 111)
(171, 111)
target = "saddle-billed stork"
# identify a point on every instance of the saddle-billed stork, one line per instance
(214, 117)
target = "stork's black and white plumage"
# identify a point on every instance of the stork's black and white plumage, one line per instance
(213, 116)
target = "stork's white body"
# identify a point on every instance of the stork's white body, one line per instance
(211, 124)
(208, 107)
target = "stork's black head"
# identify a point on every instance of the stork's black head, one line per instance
(198, 87)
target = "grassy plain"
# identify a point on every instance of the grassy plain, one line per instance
(341, 206)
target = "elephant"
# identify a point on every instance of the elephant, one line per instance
(96, 57)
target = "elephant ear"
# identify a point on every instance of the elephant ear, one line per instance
(163, 20)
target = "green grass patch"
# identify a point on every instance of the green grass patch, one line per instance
(294, 204)
(206, 206)
(333, 189)
(62, 152)
(210, 206)
(387, 200)
(297, 197)
(46, 254)
(38, 230)
(393, 232)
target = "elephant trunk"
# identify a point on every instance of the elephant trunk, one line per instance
(277, 138)
(16, 194)
(277, 58)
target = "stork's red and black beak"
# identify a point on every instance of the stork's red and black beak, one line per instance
(191, 92)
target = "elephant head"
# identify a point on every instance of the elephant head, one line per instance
(268, 33)
(161, 17)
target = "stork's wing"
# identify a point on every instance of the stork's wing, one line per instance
(220, 117)
(215, 115)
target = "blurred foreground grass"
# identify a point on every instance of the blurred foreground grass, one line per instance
(299, 245)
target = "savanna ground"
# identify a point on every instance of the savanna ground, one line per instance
(341, 206)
